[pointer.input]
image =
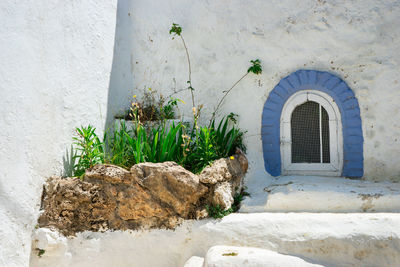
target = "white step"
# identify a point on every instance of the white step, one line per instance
(233, 256)
(332, 239)
(322, 194)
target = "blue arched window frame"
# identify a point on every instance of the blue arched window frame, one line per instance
(348, 107)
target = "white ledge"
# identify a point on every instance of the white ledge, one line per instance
(323, 194)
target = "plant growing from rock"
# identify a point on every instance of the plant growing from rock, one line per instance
(193, 147)
(217, 212)
(89, 147)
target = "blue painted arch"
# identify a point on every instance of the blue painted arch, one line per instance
(348, 106)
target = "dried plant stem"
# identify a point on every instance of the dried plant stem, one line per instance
(222, 99)
(190, 70)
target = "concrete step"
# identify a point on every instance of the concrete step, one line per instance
(323, 194)
(234, 256)
(329, 239)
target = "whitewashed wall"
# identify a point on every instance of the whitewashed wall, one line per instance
(55, 63)
(57, 71)
(355, 40)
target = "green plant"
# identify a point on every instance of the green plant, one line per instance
(163, 143)
(217, 212)
(90, 150)
(118, 145)
(255, 67)
(211, 143)
(40, 252)
(194, 147)
(227, 139)
(168, 110)
(238, 197)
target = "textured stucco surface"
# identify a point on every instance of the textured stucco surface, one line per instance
(326, 238)
(56, 59)
(358, 41)
(57, 65)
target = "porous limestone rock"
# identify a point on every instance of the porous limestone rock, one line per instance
(223, 195)
(72, 205)
(171, 184)
(233, 256)
(224, 177)
(149, 195)
(225, 169)
(109, 173)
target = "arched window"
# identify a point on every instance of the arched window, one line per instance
(311, 124)
(311, 136)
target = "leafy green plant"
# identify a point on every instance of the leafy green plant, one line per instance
(90, 150)
(227, 138)
(128, 146)
(168, 110)
(238, 197)
(118, 145)
(165, 143)
(40, 252)
(217, 212)
(211, 143)
(132, 146)
(193, 147)
(255, 67)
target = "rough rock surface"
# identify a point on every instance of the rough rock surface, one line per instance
(149, 195)
(170, 183)
(223, 195)
(224, 177)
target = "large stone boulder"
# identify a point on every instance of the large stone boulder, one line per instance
(72, 205)
(146, 196)
(171, 184)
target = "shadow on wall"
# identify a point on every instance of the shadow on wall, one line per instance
(121, 78)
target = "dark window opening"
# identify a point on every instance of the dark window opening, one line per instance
(310, 134)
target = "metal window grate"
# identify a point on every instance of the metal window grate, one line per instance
(310, 134)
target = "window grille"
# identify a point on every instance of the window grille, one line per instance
(310, 134)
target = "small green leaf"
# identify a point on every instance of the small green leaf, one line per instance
(255, 67)
(176, 29)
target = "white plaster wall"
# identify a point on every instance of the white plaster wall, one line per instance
(55, 63)
(355, 40)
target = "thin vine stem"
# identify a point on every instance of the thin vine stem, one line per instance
(222, 99)
(190, 70)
